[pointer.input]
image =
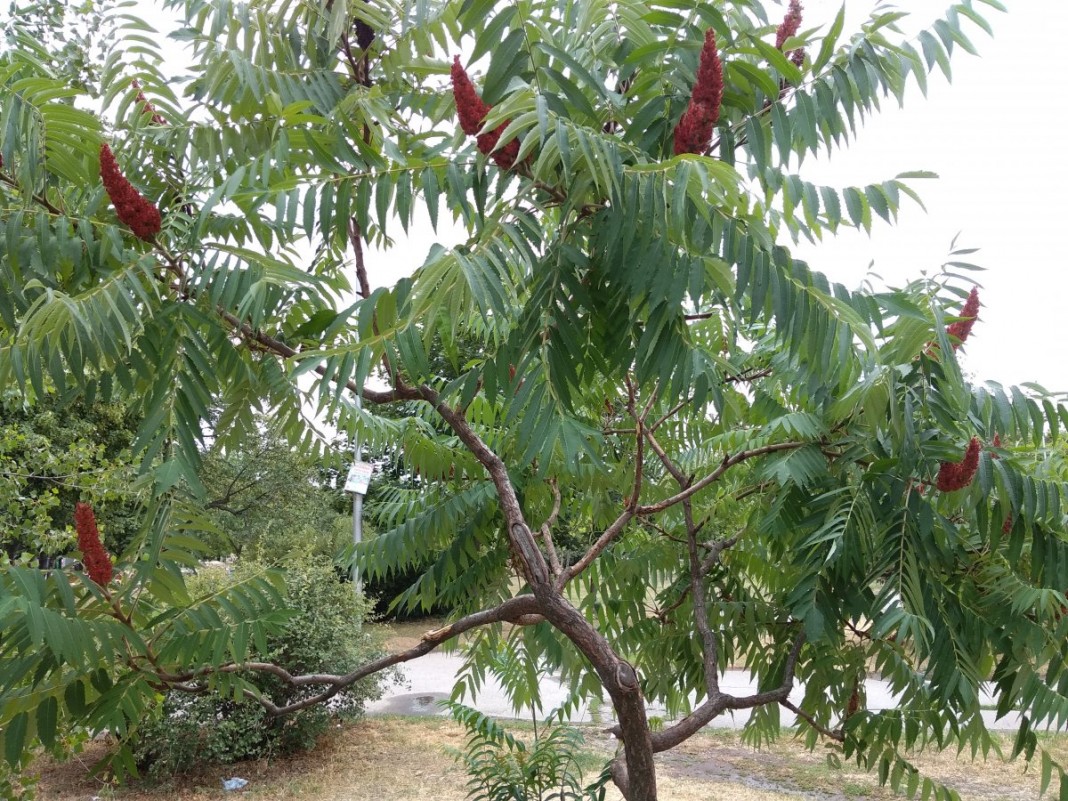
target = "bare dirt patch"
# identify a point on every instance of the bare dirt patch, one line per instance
(400, 636)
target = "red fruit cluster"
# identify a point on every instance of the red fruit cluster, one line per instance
(953, 476)
(147, 107)
(961, 329)
(94, 557)
(790, 25)
(133, 209)
(472, 111)
(694, 131)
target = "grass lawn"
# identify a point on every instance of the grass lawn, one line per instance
(405, 759)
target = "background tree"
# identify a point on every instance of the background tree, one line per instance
(763, 458)
(53, 454)
(262, 496)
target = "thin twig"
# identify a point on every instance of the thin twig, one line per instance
(670, 413)
(834, 734)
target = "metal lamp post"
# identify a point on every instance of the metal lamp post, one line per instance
(357, 482)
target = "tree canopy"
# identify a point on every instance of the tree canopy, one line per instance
(752, 466)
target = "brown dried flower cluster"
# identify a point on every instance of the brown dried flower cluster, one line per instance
(472, 111)
(131, 207)
(94, 556)
(694, 131)
(953, 476)
(365, 34)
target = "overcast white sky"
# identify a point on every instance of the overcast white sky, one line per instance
(996, 138)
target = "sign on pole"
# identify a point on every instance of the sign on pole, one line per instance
(359, 477)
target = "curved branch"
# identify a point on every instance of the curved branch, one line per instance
(40, 200)
(518, 610)
(521, 537)
(598, 547)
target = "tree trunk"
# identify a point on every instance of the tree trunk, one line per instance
(636, 776)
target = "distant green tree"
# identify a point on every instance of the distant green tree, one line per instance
(261, 494)
(53, 454)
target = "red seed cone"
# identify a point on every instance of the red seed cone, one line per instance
(790, 25)
(961, 329)
(694, 131)
(953, 476)
(94, 557)
(472, 111)
(131, 207)
(469, 105)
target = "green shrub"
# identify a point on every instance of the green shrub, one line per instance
(324, 635)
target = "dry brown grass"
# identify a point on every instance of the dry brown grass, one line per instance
(379, 758)
(406, 759)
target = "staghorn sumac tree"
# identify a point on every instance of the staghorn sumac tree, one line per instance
(752, 457)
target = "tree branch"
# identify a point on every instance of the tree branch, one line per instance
(715, 550)
(522, 539)
(709, 643)
(598, 547)
(515, 610)
(669, 465)
(547, 531)
(727, 463)
(668, 738)
(747, 375)
(670, 413)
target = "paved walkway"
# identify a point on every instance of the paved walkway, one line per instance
(431, 678)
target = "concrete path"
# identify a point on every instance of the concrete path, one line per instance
(431, 678)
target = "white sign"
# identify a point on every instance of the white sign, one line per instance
(359, 477)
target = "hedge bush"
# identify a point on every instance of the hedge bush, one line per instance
(324, 635)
